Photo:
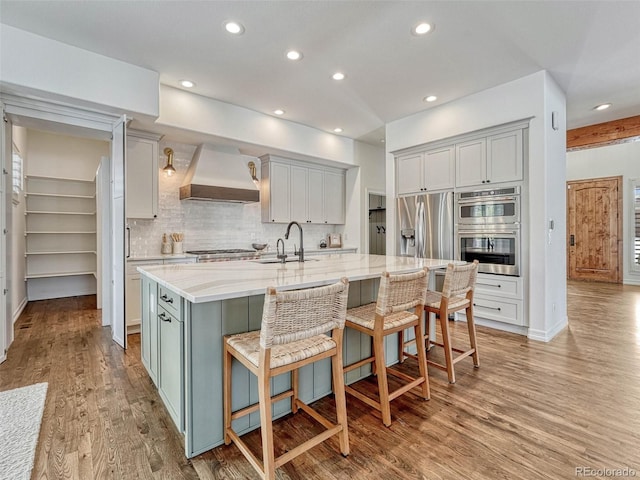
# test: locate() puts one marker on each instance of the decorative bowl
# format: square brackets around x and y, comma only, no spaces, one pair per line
[259,246]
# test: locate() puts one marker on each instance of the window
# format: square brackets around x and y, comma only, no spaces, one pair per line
[17,176]
[635,224]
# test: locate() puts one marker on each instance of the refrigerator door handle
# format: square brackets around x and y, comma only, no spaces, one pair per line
[420,229]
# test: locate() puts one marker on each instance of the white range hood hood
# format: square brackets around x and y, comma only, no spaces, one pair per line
[219,174]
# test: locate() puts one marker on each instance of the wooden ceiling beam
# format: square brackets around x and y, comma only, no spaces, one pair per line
[603,133]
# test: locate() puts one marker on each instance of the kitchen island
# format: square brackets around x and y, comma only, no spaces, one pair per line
[188,309]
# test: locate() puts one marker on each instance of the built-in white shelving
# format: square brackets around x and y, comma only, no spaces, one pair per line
[60,237]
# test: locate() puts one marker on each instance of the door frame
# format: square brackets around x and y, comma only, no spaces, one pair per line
[369,191]
[619,223]
[30,112]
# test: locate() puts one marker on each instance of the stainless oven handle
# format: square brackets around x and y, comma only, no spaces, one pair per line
[462,201]
[488,233]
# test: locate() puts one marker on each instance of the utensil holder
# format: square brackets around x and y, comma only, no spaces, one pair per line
[166,248]
[177,247]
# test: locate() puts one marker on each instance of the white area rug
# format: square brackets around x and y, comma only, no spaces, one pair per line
[20,417]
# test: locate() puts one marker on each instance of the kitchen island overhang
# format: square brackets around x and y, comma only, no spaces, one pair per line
[188,309]
[206,282]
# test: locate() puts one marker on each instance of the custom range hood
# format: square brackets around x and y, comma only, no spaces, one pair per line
[219,175]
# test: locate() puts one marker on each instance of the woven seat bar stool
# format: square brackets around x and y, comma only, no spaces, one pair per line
[390,314]
[292,335]
[457,294]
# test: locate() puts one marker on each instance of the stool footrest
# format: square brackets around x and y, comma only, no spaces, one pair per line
[256,406]
[315,415]
[363,398]
[293,453]
[358,364]
[404,389]
[463,354]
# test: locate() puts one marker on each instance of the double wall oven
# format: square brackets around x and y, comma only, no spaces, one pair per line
[488,229]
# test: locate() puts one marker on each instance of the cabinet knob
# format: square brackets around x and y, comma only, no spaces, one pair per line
[484,181]
[488,181]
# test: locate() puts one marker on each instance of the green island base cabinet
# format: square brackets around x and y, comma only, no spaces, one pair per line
[182,349]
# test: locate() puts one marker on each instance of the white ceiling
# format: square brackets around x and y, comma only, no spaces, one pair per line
[591,48]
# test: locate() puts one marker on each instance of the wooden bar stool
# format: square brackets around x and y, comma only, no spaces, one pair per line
[457,294]
[291,336]
[396,295]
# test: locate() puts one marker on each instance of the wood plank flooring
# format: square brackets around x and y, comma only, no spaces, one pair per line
[531,411]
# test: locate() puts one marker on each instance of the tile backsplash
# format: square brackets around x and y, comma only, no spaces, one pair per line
[210,225]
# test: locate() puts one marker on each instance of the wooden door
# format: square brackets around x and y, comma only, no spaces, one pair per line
[594,229]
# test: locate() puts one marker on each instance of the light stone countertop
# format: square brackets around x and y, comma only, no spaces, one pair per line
[160,256]
[207,282]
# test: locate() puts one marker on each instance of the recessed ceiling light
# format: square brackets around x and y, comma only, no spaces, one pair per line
[604,106]
[422,28]
[187,83]
[338,76]
[234,27]
[430,98]
[294,55]
[279,111]
[337,130]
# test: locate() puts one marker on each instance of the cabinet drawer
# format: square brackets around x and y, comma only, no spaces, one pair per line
[499,285]
[507,311]
[170,301]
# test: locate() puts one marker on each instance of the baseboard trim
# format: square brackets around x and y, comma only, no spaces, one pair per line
[19,310]
[631,281]
[548,335]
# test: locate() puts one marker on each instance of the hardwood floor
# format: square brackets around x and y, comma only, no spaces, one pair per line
[531,411]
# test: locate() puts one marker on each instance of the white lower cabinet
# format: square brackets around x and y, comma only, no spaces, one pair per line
[499,298]
[132,289]
[149,328]
[162,349]
[171,378]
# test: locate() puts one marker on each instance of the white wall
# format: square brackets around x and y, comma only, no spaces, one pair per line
[56,155]
[611,161]
[371,160]
[272,135]
[533,96]
[31,64]
[211,225]
[18,284]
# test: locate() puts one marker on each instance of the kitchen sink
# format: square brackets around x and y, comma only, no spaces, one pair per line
[287,260]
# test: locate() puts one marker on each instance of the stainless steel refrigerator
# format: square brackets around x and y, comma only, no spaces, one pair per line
[425,225]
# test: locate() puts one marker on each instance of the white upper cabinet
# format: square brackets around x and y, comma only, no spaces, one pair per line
[504,157]
[494,159]
[426,171]
[316,196]
[334,198]
[409,173]
[471,163]
[439,169]
[142,175]
[294,191]
[307,195]
[275,192]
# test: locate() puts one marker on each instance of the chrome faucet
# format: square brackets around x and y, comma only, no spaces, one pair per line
[300,252]
[282,257]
